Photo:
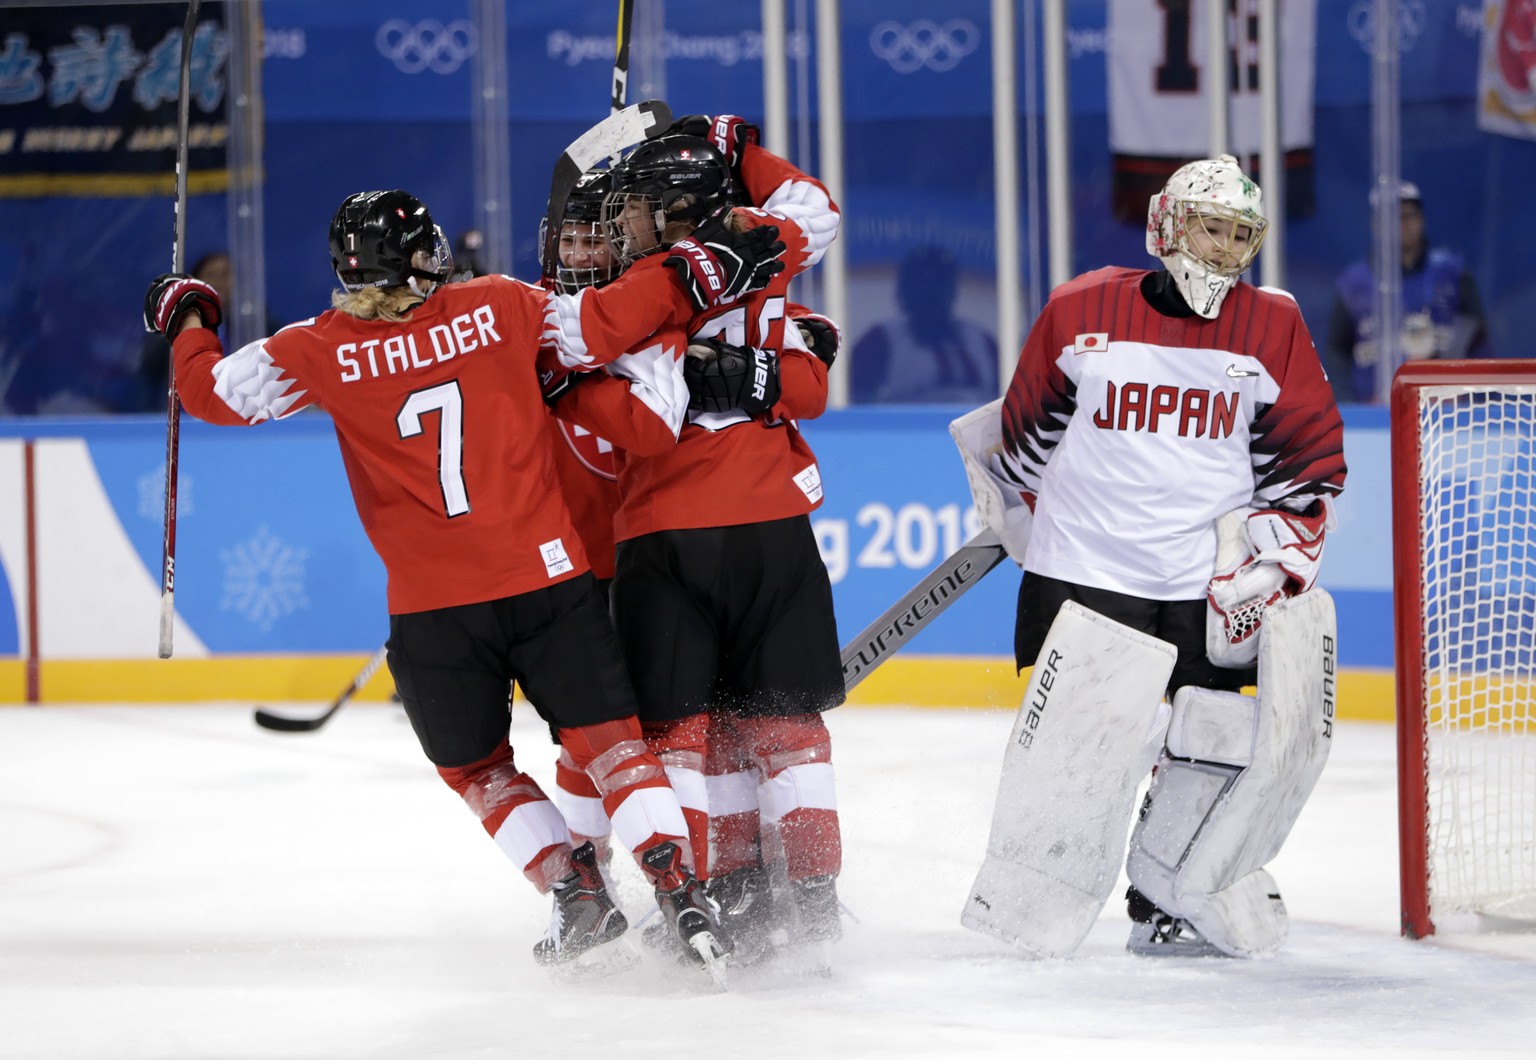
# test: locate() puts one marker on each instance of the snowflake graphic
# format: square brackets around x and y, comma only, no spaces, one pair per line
[152,495]
[263,579]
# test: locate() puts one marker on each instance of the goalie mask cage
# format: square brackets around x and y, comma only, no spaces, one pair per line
[1464,596]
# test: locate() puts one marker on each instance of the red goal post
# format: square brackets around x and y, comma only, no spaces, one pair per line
[1464,599]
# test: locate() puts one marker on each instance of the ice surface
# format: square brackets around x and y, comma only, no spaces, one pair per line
[175,882]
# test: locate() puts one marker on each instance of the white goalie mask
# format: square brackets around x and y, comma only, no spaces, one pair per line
[1206,226]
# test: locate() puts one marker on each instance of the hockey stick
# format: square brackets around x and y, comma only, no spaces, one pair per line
[621,56]
[607,138]
[908,616]
[280,723]
[173,406]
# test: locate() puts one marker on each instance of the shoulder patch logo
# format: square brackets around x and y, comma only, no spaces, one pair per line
[1239,373]
[1090,342]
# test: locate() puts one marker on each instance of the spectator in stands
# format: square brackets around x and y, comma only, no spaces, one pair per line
[928,354]
[468,251]
[1442,311]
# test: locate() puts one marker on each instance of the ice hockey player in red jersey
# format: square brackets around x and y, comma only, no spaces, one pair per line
[434,391]
[1154,415]
[584,459]
[722,602]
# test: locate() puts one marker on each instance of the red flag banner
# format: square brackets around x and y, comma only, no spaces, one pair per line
[1506,84]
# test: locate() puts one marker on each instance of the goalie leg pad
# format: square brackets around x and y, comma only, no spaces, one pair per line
[1233,780]
[1068,783]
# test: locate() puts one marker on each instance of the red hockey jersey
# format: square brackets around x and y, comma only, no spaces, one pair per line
[727,469]
[441,424]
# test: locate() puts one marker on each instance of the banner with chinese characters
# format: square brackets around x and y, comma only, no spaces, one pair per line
[1506,83]
[88,100]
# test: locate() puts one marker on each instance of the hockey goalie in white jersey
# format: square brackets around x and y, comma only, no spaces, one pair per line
[1163,465]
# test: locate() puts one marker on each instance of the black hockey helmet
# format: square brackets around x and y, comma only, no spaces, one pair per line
[581,226]
[670,167]
[585,203]
[376,234]
[663,181]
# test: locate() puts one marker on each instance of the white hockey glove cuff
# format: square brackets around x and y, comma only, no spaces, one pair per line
[1000,505]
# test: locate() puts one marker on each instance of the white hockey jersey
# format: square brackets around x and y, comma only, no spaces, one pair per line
[1132,432]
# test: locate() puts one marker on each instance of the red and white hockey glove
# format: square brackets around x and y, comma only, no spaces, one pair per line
[172,296]
[718,265]
[730,133]
[1292,541]
[1271,554]
[821,335]
[1236,603]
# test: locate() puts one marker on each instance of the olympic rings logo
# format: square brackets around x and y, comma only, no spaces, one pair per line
[1411,21]
[428,45]
[924,44]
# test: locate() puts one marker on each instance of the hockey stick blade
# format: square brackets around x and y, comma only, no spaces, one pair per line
[620,130]
[282,723]
[908,616]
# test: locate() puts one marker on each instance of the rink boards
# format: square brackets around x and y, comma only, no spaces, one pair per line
[279,595]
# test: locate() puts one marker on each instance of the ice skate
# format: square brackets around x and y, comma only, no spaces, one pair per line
[1155,933]
[693,918]
[820,920]
[584,921]
[745,899]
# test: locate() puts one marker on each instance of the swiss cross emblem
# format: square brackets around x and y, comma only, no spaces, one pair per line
[594,452]
[685,153]
[352,262]
[1091,342]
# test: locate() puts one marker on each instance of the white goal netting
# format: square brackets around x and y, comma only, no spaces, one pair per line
[1477,515]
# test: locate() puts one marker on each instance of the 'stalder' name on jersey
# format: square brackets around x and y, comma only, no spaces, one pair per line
[402,352]
[1201,413]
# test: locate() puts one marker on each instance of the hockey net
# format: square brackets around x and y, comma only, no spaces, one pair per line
[1464,540]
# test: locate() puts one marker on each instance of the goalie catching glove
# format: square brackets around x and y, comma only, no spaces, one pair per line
[172,296]
[718,265]
[1261,558]
[726,378]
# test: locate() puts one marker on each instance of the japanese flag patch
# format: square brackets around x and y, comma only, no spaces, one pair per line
[1091,342]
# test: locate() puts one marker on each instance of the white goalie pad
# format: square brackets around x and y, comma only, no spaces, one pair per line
[1234,777]
[1070,772]
[999,507]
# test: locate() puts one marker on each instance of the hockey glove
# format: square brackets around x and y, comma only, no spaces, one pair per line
[725,378]
[730,133]
[718,266]
[1262,557]
[1235,606]
[821,335]
[1293,541]
[172,296]
[555,385]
